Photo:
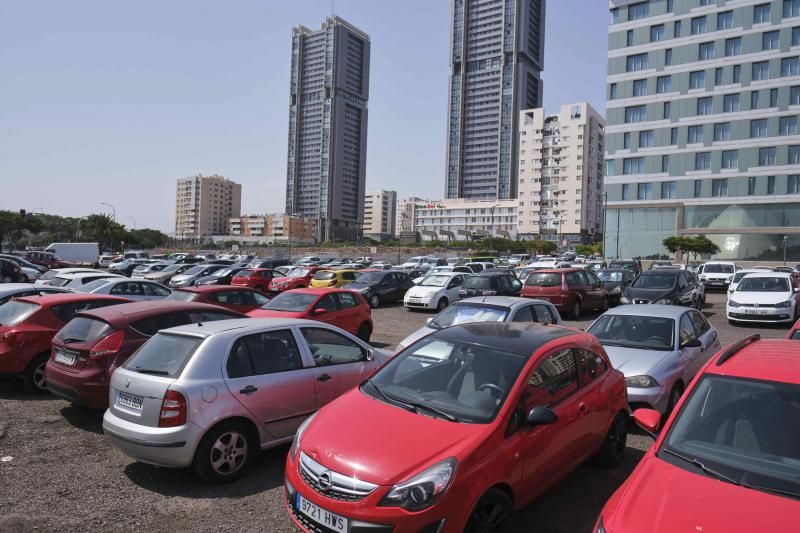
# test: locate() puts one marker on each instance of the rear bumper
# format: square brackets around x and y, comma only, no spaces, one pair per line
[169,447]
[79,388]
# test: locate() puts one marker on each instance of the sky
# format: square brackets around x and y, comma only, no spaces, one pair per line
[112,102]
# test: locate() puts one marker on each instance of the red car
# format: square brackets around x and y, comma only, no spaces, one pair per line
[341,308]
[94,343]
[794,333]
[457,431]
[297,278]
[259,279]
[28,326]
[571,290]
[728,458]
[240,299]
[47,259]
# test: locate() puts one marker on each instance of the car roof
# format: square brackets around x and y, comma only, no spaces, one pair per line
[213,288]
[135,310]
[243,325]
[491,273]
[516,337]
[318,290]
[81,275]
[505,301]
[70,297]
[661,271]
[766,359]
[651,310]
[770,274]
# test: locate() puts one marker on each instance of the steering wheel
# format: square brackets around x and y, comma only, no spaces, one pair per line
[492,387]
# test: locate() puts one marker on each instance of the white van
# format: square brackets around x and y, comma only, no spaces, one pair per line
[717,274]
[80,253]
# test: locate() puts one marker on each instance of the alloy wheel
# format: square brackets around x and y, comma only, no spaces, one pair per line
[228,453]
[487,518]
[38,377]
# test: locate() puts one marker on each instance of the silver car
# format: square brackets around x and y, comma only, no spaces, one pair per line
[213,395]
[487,309]
[19,290]
[132,289]
[659,348]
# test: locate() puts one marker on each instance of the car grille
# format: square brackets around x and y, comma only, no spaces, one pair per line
[308,524]
[339,487]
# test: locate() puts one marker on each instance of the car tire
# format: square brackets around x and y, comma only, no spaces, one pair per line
[364,332]
[577,310]
[33,377]
[442,305]
[613,449]
[225,452]
[492,513]
[374,301]
[674,397]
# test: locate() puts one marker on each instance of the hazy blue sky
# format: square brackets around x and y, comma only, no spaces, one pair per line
[113,101]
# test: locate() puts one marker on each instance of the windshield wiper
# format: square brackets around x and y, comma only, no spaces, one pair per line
[391,400]
[433,410]
[71,340]
[152,371]
[772,490]
[699,464]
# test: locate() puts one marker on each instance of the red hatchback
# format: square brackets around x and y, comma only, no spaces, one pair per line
[728,459]
[259,279]
[341,308]
[457,431]
[93,344]
[297,278]
[571,290]
[27,328]
[240,299]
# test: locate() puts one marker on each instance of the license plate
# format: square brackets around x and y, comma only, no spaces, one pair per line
[715,283]
[320,515]
[65,358]
[129,400]
[758,312]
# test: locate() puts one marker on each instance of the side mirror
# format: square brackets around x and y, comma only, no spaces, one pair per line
[370,355]
[648,420]
[428,320]
[319,311]
[694,342]
[541,416]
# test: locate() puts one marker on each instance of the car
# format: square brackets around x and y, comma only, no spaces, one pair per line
[379,287]
[727,459]
[571,290]
[491,283]
[188,260]
[738,277]
[132,289]
[27,326]
[298,278]
[333,278]
[190,276]
[627,264]
[88,349]
[794,333]
[668,286]
[77,280]
[479,266]
[420,262]
[10,272]
[615,281]
[434,291]
[766,297]
[164,276]
[104,261]
[259,279]
[338,307]
[659,348]
[223,276]
[717,274]
[486,309]
[19,290]
[659,263]
[458,431]
[135,254]
[47,259]
[309,260]
[523,272]
[248,364]
[24,263]
[127,266]
[46,279]
[143,269]
[281,265]
[595,264]
[240,299]
[516,259]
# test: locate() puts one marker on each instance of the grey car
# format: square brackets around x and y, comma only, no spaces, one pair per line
[190,276]
[18,290]
[132,289]
[658,347]
[212,395]
[163,276]
[487,309]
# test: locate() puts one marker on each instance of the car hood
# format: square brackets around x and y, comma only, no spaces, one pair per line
[356,286]
[761,298]
[635,361]
[423,292]
[406,444]
[717,275]
[652,295]
[417,335]
[662,498]
[182,277]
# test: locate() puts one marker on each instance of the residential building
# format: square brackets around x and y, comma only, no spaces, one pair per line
[380,214]
[327,156]
[204,205]
[269,229]
[561,174]
[496,60]
[464,220]
[702,134]
[405,215]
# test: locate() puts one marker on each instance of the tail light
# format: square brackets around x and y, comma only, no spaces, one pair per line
[108,345]
[173,410]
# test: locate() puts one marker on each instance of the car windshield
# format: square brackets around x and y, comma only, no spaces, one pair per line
[718,269]
[741,431]
[371,277]
[658,280]
[622,265]
[543,279]
[478,282]
[92,285]
[761,284]
[163,355]
[173,268]
[325,275]
[462,313]
[632,331]
[13,312]
[739,275]
[222,273]
[83,330]
[290,302]
[141,268]
[194,270]
[182,296]
[298,273]
[58,281]
[445,379]
[434,281]
[609,276]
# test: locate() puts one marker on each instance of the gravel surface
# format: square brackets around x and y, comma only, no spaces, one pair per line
[64,475]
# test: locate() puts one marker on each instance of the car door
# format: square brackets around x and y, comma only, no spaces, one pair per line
[708,339]
[546,314]
[264,367]
[128,289]
[582,288]
[596,287]
[684,290]
[526,313]
[592,370]
[455,283]
[348,315]
[340,362]
[690,356]
[329,307]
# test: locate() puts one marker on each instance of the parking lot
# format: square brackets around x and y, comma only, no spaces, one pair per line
[58,471]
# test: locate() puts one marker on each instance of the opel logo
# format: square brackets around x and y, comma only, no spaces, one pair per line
[324,481]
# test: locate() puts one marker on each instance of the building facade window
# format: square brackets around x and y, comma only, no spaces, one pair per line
[656,33]
[787,126]
[722,131]
[758,128]
[795,36]
[638,11]
[636,62]
[664,163]
[705,105]
[663,84]
[719,187]
[612,91]
[794,155]
[773,97]
[770,40]
[676,29]
[629,38]
[760,71]
[705,51]
[635,114]
[697,79]
[737,73]
[667,108]
[730,159]
[718,76]
[669,190]
[694,134]
[626,140]
[646,139]
[792,184]
[673,136]
[639,87]
[698,188]
[668,57]
[733,46]
[761,13]
[791,8]
[626,191]
[698,25]
[644,191]
[633,165]
[770,184]
[794,95]
[702,161]
[753,99]
[790,66]
[751,186]
[766,156]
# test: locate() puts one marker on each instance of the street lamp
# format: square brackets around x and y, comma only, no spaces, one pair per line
[113,211]
[132,220]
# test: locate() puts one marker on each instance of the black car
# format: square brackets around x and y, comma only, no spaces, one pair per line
[189,260]
[627,264]
[491,283]
[381,287]
[663,286]
[23,262]
[268,263]
[615,281]
[10,272]
[220,277]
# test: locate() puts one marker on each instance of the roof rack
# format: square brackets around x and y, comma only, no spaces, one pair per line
[734,348]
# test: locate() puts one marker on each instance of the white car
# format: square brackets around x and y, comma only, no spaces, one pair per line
[48,277]
[31,274]
[104,261]
[74,281]
[547,261]
[434,291]
[764,297]
[717,274]
[139,290]
[739,275]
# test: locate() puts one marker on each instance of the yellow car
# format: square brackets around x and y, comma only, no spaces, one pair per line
[334,278]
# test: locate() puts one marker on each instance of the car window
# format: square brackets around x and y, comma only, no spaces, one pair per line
[349,276]
[151,325]
[257,298]
[128,288]
[544,314]
[331,348]
[524,314]
[554,379]
[263,353]
[681,281]
[209,316]
[590,365]
[151,289]
[226,297]
[327,302]
[266,273]
[593,280]
[686,329]
[65,312]
[347,299]
[572,279]
[583,280]
[699,322]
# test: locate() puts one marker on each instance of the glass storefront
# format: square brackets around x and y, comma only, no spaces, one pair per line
[639,233]
[742,216]
[756,246]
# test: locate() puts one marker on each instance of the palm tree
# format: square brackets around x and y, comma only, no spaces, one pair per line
[100,227]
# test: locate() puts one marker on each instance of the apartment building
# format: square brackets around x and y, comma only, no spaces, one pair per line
[702,135]
[561,167]
[204,205]
[274,228]
[380,214]
[463,220]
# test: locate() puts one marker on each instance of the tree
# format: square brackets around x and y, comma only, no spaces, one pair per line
[147,238]
[589,249]
[701,245]
[544,247]
[677,244]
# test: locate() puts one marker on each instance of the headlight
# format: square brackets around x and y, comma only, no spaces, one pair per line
[363,290]
[641,382]
[784,305]
[624,299]
[422,490]
[600,527]
[299,435]
[665,301]
[733,303]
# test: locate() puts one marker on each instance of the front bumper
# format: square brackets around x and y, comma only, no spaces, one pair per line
[767,315]
[717,284]
[419,303]
[652,397]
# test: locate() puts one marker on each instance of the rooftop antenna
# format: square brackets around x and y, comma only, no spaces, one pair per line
[333,3]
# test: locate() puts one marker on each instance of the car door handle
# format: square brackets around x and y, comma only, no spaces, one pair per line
[248,390]
[324,377]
